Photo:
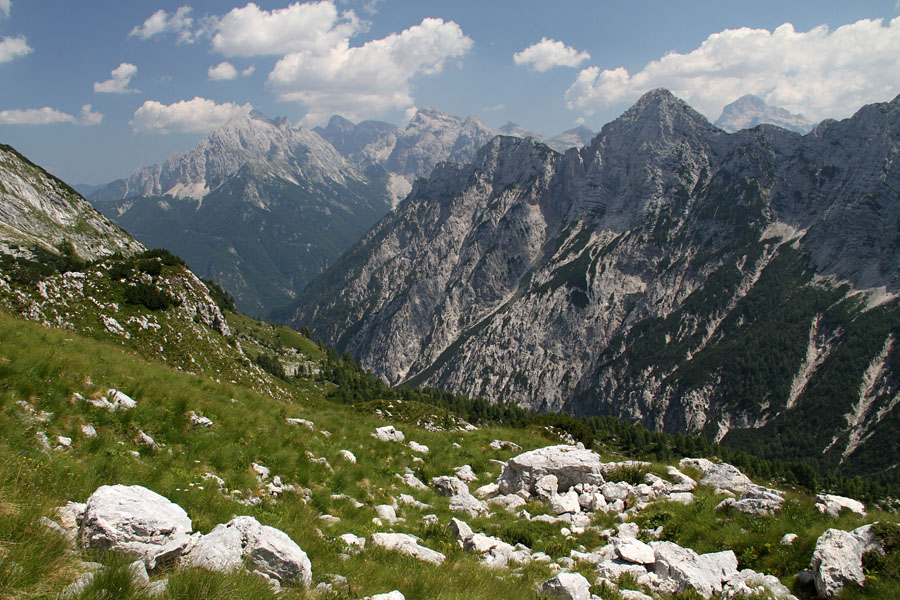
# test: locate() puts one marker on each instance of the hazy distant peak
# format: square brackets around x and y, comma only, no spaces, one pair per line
[749,111]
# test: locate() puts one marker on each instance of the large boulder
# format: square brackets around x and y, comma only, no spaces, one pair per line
[567,586]
[571,465]
[680,569]
[135,520]
[837,559]
[832,505]
[756,501]
[266,550]
[718,475]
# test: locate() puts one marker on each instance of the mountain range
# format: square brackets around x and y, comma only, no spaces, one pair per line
[262,207]
[740,285]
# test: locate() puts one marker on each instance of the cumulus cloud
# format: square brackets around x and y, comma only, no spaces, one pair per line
[12,48]
[548,53]
[819,73]
[5,6]
[316,27]
[121,77]
[161,22]
[370,79]
[49,116]
[225,71]
[196,115]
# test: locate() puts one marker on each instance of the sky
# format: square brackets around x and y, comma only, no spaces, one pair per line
[93,90]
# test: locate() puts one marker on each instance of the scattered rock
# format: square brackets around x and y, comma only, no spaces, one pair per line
[388,433]
[386,512]
[305,423]
[832,505]
[569,464]
[266,550]
[347,456]
[837,559]
[393,595]
[720,475]
[407,544]
[465,473]
[501,444]
[417,447]
[88,431]
[788,539]
[468,504]
[682,568]
[446,485]
[120,400]
[635,551]
[567,586]
[133,519]
[199,421]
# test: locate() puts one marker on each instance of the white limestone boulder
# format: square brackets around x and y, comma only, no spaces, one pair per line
[446,485]
[388,433]
[571,465]
[832,505]
[567,586]
[407,544]
[837,559]
[680,569]
[718,475]
[266,550]
[135,520]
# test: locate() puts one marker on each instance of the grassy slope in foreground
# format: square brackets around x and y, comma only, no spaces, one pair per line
[44,367]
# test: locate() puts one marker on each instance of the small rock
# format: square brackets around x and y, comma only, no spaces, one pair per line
[465,473]
[303,422]
[347,456]
[386,512]
[417,447]
[788,539]
[88,431]
[407,544]
[388,433]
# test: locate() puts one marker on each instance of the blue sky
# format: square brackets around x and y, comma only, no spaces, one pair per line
[93,90]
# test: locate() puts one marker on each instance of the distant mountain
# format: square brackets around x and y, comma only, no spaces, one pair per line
[259,206]
[749,111]
[742,285]
[37,209]
[572,138]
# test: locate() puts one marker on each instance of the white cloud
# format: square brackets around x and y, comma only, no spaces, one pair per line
[819,73]
[121,77]
[5,6]
[225,71]
[12,48]
[371,79]
[495,107]
[547,53]
[315,27]
[196,115]
[161,22]
[49,116]
[222,71]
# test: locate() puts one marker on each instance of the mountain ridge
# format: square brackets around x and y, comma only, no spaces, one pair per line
[556,273]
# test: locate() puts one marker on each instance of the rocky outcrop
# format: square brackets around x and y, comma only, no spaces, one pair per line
[37,209]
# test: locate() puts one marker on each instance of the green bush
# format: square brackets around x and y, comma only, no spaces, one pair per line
[150,296]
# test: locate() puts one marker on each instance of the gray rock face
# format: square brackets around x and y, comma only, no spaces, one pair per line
[39,209]
[135,520]
[568,464]
[749,111]
[267,550]
[614,279]
[837,559]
